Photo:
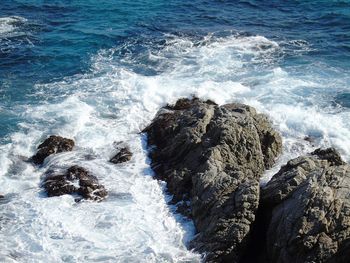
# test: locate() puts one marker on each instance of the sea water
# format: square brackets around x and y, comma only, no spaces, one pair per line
[98,71]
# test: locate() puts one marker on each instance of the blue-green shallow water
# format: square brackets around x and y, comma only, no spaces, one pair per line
[97,71]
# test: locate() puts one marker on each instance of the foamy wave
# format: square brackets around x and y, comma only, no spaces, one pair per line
[10,24]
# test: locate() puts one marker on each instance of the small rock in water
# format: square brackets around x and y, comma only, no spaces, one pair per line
[124,155]
[309,139]
[2,196]
[76,180]
[53,144]
[89,157]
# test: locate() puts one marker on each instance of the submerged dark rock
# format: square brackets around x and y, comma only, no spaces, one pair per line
[310,139]
[124,155]
[53,144]
[76,180]
[212,157]
[307,204]
[330,155]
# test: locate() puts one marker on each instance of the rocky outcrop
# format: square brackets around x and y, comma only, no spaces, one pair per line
[76,180]
[211,158]
[53,144]
[307,204]
[124,155]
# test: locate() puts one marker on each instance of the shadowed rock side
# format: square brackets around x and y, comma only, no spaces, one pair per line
[124,155]
[53,144]
[213,156]
[308,206]
[76,180]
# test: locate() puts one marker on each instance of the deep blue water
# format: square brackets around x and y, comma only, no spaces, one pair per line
[97,72]
[60,37]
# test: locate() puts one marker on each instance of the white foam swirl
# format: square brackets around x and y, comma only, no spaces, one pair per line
[10,24]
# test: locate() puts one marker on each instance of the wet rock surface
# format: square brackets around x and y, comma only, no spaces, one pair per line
[53,144]
[212,157]
[307,207]
[75,181]
[124,155]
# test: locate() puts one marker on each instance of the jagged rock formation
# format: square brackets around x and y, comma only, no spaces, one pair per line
[124,155]
[212,156]
[76,180]
[307,204]
[53,144]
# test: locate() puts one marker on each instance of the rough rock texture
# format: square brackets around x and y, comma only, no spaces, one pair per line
[308,202]
[212,156]
[76,180]
[124,155]
[53,144]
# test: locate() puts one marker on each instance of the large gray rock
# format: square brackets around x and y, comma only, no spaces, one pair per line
[308,205]
[53,144]
[212,157]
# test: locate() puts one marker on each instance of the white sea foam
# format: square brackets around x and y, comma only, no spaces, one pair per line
[10,24]
[113,104]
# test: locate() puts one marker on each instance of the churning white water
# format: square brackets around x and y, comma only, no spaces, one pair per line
[107,108]
[10,24]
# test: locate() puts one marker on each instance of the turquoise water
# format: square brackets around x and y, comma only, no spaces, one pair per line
[97,72]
